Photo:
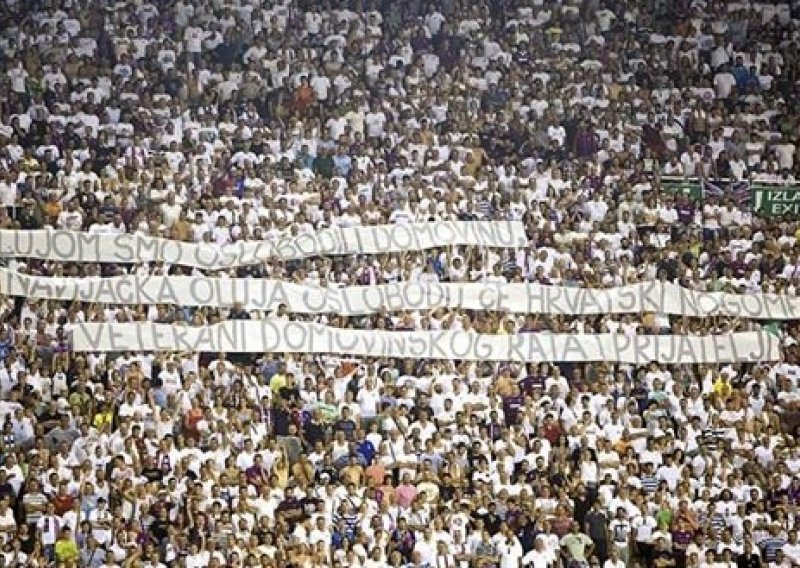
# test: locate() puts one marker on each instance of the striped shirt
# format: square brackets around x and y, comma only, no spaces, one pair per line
[717,523]
[770,547]
[650,483]
[710,438]
[509,265]
[350,521]
[485,207]
[33,500]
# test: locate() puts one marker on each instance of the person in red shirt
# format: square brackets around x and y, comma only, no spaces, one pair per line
[62,500]
[303,96]
[551,429]
[193,418]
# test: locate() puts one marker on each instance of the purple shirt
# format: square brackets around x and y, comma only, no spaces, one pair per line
[685,213]
[682,539]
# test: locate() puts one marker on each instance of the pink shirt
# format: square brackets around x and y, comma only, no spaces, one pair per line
[405,495]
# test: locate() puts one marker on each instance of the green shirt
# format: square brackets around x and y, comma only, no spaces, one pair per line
[576,544]
[329,411]
[323,166]
[664,517]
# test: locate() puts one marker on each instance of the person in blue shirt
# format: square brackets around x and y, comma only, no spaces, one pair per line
[403,539]
[339,535]
[305,160]
[5,344]
[342,162]
[753,83]
[740,73]
[435,260]
[364,448]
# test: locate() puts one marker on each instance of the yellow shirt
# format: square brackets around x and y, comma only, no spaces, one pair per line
[277,382]
[79,399]
[722,387]
[29,164]
[66,550]
[102,418]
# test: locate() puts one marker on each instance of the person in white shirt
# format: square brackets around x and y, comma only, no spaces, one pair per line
[426,549]
[71,218]
[101,520]
[197,558]
[539,557]
[614,561]
[49,527]
[8,524]
[510,550]
[620,529]
[792,548]
[8,192]
[170,378]
[445,558]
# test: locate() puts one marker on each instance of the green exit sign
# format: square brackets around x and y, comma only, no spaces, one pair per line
[777,202]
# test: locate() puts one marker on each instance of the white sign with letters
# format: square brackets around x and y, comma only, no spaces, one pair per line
[74,246]
[518,298]
[279,336]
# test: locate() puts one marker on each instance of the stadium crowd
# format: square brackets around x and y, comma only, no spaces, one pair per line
[215,121]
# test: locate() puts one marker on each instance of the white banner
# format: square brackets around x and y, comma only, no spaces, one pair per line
[72,246]
[267,295]
[278,336]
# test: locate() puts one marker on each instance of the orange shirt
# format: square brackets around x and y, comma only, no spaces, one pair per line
[52,209]
[622,446]
[303,97]
[376,473]
[193,417]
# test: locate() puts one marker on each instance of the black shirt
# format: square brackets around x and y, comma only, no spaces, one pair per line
[663,555]
[415,411]
[87,199]
[581,508]
[330,471]
[159,529]
[28,219]
[6,490]
[492,522]
[152,474]
[292,509]
[598,525]
[281,420]
[314,432]
[527,536]
[289,393]
[748,561]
